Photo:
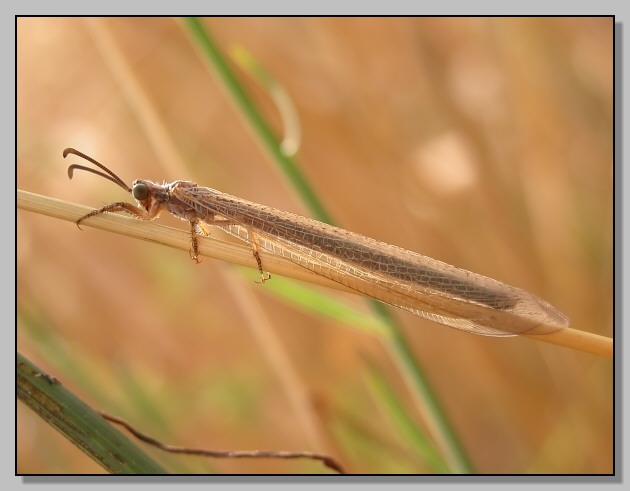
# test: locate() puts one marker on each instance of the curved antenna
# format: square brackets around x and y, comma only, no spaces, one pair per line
[108,174]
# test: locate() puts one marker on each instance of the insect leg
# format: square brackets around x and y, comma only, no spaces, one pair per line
[264,276]
[118,206]
[195,229]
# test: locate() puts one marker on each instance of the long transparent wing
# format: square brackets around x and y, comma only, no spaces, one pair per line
[402,278]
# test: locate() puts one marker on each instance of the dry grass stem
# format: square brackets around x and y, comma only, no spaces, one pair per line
[241,254]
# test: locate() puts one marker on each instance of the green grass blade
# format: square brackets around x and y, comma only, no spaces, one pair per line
[263,132]
[424,395]
[79,423]
[403,422]
[322,304]
[413,374]
[283,101]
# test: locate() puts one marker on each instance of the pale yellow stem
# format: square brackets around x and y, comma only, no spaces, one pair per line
[242,254]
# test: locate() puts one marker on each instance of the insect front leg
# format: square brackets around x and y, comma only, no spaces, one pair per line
[118,206]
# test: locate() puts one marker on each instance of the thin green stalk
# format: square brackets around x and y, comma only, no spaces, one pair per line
[435,416]
[437,421]
[402,420]
[262,131]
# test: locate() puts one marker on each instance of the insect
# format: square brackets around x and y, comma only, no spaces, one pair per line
[418,284]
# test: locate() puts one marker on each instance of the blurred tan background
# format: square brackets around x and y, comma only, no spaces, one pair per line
[485,143]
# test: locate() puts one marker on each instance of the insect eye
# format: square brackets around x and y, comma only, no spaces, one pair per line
[140,191]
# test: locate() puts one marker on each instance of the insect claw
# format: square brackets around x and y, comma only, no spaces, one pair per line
[263,277]
[195,256]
